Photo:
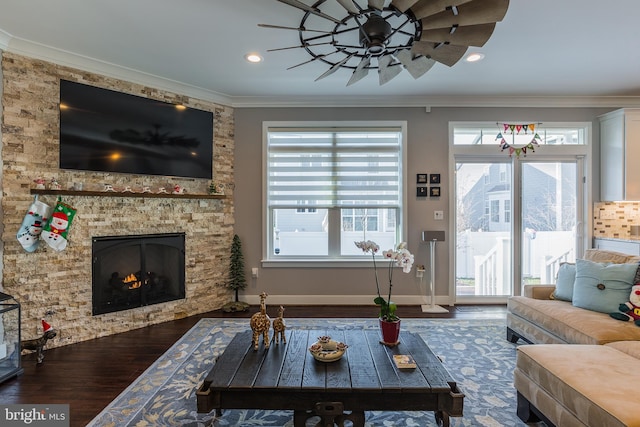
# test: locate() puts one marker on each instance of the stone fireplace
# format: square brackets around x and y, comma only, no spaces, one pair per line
[136,271]
[56,285]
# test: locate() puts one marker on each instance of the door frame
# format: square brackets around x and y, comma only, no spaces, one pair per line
[545,153]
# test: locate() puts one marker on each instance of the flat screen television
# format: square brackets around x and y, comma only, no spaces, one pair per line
[108,131]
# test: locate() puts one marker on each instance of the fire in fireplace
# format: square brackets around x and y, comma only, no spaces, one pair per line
[135,271]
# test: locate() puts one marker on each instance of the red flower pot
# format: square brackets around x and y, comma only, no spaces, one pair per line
[390,331]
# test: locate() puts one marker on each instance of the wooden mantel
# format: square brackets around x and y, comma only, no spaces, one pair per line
[127,194]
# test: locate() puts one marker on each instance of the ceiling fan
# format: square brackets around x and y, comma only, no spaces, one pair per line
[389,35]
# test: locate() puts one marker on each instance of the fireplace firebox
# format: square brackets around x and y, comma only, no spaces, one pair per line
[135,271]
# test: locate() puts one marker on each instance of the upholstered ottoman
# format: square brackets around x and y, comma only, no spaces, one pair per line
[571,385]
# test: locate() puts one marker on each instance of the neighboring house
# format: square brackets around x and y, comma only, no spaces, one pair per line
[301,219]
[548,203]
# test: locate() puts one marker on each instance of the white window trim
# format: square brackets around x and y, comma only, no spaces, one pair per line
[333,263]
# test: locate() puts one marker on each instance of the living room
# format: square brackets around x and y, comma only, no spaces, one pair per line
[56,285]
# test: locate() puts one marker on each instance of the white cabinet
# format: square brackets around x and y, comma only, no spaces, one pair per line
[620,155]
[623,246]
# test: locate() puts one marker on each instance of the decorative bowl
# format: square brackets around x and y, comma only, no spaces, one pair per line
[327,350]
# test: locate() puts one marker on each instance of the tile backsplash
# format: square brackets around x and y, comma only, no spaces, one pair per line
[613,219]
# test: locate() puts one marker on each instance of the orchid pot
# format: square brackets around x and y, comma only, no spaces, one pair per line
[390,331]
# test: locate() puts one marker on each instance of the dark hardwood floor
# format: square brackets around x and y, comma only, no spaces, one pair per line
[90,374]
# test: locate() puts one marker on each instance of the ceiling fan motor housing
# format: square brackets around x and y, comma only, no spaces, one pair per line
[374,34]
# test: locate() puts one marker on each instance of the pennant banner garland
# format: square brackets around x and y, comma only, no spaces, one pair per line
[513,130]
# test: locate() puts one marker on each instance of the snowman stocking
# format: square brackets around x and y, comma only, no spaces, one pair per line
[56,232]
[32,224]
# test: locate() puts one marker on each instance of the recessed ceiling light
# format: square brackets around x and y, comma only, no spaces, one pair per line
[474,57]
[253,57]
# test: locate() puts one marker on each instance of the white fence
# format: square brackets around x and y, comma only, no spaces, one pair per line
[310,243]
[486,258]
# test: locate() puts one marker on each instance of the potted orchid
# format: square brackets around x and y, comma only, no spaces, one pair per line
[400,257]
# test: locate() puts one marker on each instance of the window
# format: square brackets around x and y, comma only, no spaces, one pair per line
[348,182]
[507,211]
[483,134]
[360,219]
[495,211]
[304,210]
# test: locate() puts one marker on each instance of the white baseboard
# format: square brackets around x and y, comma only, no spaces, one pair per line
[338,299]
[477,300]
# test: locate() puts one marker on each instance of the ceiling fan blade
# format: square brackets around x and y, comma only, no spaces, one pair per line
[447,54]
[471,35]
[416,66]
[425,8]
[306,8]
[349,6]
[334,68]
[471,13]
[298,47]
[376,4]
[403,5]
[386,72]
[315,58]
[279,27]
[360,72]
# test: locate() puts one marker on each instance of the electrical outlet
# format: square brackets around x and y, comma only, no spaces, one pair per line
[439,215]
[254,272]
[608,214]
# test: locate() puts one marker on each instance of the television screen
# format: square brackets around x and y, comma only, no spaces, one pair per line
[108,131]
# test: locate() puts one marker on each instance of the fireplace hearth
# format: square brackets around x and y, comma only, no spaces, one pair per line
[136,271]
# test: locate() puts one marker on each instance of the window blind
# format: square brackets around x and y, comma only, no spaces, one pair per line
[334,168]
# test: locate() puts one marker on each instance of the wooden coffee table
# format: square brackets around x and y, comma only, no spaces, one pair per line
[287,377]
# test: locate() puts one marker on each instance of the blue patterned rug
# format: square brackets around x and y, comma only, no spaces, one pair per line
[475,352]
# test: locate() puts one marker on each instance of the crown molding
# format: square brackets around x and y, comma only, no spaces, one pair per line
[4,39]
[440,101]
[69,59]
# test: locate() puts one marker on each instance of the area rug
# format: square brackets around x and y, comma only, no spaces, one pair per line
[475,352]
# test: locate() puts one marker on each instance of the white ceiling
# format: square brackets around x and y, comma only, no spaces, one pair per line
[545,52]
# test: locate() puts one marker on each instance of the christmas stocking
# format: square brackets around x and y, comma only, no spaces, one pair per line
[32,224]
[56,232]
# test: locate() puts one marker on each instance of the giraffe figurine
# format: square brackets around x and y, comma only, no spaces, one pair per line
[279,326]
[260,324]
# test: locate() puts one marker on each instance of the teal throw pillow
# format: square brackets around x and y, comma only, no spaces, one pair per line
[602,286]
[564,282]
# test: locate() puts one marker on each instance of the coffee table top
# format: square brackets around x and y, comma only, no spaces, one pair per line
[367,366]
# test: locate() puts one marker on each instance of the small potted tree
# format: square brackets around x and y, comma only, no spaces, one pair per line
[236,279]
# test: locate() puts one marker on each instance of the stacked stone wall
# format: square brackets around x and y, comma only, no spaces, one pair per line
[57,285]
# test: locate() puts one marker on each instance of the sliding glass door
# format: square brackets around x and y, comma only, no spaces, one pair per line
[518,208]
[549,218]
[484,212]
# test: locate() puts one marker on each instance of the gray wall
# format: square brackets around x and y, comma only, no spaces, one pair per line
[427,153]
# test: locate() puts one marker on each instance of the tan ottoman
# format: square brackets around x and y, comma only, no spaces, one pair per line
[577,385]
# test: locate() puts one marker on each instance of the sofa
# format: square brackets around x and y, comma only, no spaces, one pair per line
[578,365]
[538,318]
